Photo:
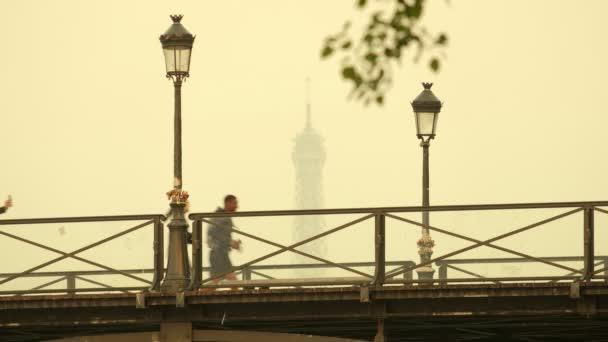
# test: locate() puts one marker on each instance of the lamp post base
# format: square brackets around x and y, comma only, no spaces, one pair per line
[425,250]
[178,265]
[425,272]
[174,285]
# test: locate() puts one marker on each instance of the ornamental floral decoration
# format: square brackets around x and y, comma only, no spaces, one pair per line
[178,196]
[425,245]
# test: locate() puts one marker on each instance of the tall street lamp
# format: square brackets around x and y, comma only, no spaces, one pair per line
[177,48]
[426,108]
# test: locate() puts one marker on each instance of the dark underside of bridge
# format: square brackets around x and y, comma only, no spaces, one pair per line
[531,328]
[502,312]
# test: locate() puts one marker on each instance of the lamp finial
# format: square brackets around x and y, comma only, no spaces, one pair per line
[176,17]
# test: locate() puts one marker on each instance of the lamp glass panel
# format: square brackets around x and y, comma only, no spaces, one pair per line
[177,59]
[426,122]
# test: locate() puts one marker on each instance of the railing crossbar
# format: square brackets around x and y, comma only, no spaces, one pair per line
[82,219]
[282,250]
[52,282]
[479,243]
[600,270]
[413,209]
[263,275]
[22,292]
[107,268]
[582,269]
[503,280]
[515,260]
[601,210]
[205,269]
[468,272]
[325,261]
[80,250]
[94,282]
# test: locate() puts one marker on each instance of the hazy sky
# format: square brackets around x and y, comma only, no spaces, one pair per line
[86,111]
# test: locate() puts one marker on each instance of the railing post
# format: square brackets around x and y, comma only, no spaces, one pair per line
[443,273]
[70,283]
[380,238]
[246,273]
[159,256]
[197,254]
[588,243]
[409,275]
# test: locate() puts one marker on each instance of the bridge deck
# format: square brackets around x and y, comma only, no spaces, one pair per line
[353,311]
[263,295]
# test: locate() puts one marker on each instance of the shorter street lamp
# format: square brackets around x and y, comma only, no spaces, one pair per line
[177,47]
[426,109]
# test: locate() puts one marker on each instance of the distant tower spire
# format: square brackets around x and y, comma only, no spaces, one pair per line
[309,157]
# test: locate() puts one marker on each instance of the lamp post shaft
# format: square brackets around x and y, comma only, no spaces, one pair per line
[425,243]
[425,187]
[178,264]
[177,152]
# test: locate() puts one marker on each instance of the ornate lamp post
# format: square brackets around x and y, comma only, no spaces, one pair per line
[426,108]
[177,48]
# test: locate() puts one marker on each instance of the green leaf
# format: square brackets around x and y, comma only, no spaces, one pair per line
[371,57]
[373,85]
[434,64]
[376,17]
[403,41]
[348,72]
[442,39]
[327,51]
[361,3]
[414,11]
[380,99]
[347,45]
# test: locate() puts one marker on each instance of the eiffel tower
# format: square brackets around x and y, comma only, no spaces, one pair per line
[308,158]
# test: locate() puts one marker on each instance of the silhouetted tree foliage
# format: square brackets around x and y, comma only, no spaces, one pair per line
[392,32]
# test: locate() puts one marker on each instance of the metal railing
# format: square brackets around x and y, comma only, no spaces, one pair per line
[156,221]
[70,278]
[382,273]
[445,265]
[381,276]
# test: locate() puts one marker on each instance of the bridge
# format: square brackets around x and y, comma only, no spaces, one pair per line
[564,299]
